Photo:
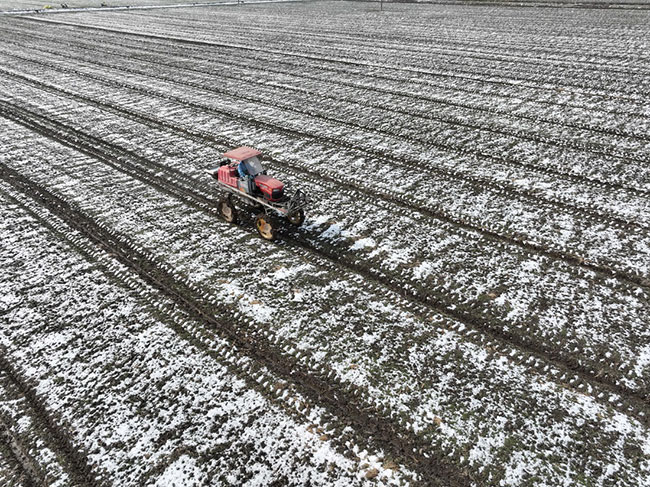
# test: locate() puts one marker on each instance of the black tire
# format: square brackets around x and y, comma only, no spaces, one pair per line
[227,210]
[296,217]
[266,227]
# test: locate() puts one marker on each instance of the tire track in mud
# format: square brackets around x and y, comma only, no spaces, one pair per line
[73,459]
[392,198]
[254,374]
[341,399]
[440,214]
[526,349]
[410,164]
[425,98]
[181,40]
[600,150]
[11,446]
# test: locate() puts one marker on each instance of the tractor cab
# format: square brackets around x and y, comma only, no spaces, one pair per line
[251,166]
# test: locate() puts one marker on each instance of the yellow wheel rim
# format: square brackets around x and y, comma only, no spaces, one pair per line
[265,229]
[226,211]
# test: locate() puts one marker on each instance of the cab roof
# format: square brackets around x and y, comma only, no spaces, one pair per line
[242,153]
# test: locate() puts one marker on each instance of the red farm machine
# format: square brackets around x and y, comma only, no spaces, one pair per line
[241,176]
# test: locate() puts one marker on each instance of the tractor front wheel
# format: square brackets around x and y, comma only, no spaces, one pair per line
[265,227]
[227,210]
[296,217]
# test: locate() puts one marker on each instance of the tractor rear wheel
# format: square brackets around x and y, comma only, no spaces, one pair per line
[296,217]
[227,210]
[265,227]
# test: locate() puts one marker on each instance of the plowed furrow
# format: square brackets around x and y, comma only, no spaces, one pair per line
[210,341]
[72,457]
[602,150]
[392,198]
[339,398]
[185,189]
[408,163]
[311,57]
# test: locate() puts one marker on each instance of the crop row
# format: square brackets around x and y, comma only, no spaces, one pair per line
[293,79]
[591,250]
[423,39]
[473,250]
[372,42]
[591,163]
[630,94]
[186,416]
[596,42]
[436,62]
[585,249]
[377,79]
[311,327]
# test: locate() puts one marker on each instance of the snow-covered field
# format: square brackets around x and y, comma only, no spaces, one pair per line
[467,303]
[59,6]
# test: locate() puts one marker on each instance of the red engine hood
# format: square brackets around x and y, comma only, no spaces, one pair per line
[269,182]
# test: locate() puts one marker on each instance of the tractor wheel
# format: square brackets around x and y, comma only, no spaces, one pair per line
[265,227]
[227,210]
[296,218]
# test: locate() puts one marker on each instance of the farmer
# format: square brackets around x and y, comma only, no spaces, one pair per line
[242,170]
[244,174]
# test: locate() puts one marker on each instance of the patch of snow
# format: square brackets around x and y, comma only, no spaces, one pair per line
[364,243]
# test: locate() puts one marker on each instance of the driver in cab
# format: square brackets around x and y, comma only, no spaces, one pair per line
[246,174]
